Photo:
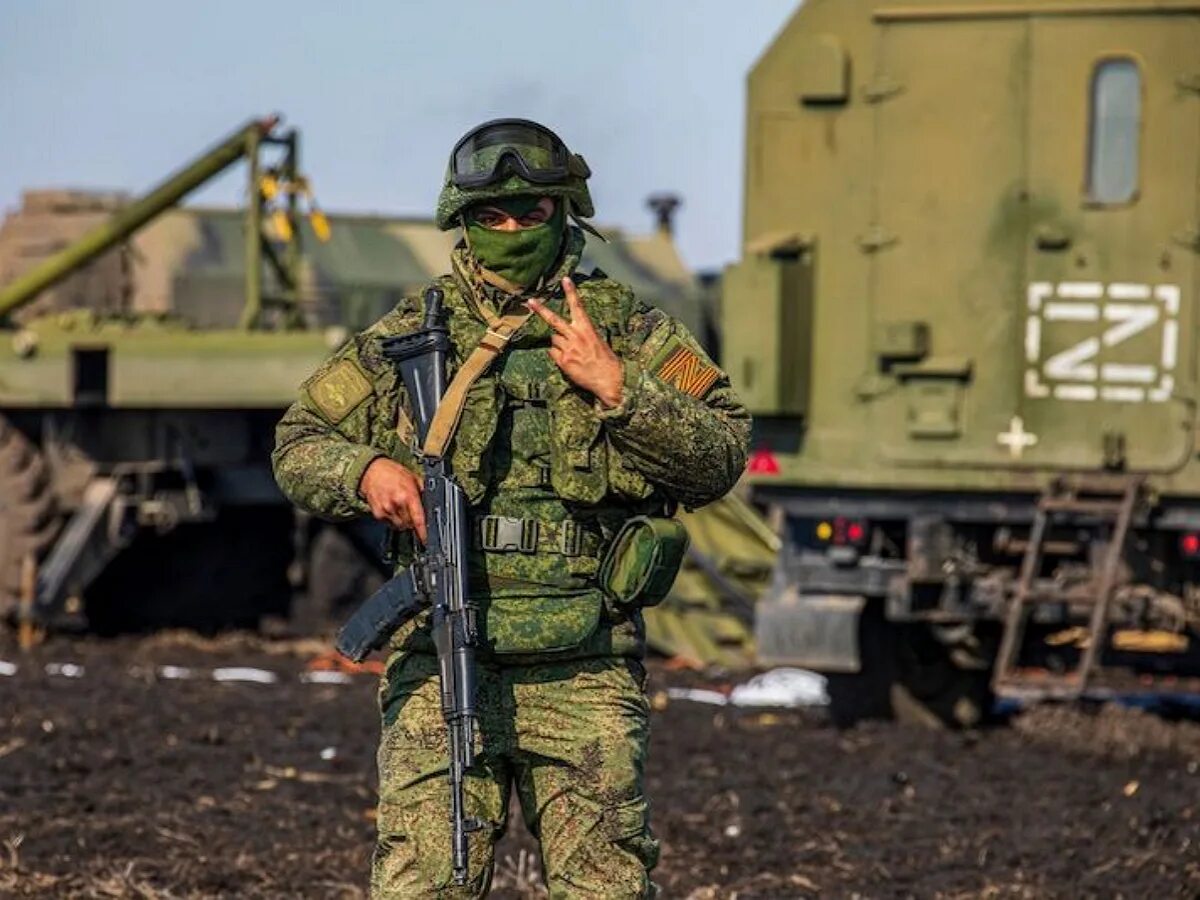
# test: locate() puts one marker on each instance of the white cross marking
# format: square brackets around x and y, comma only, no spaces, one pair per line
[1016,438]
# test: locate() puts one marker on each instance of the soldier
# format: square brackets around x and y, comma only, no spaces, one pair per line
[600,409]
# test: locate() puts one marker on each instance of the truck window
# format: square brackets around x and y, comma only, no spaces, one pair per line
[1116,112]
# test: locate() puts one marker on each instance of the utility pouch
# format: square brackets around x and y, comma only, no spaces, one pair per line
[642,562]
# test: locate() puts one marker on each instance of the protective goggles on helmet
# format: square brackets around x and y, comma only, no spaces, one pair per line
[504,147]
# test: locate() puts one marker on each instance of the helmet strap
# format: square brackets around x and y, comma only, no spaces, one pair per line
[582,222]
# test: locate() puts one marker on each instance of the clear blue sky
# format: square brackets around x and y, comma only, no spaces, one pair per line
[115,94]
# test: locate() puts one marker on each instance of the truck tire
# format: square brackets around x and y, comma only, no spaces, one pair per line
[867,693]
[28,513]
[908,675]
[931,688]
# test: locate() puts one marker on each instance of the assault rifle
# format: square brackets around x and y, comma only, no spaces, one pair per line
[437,579]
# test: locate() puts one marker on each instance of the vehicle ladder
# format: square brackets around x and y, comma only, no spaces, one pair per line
[1103,510]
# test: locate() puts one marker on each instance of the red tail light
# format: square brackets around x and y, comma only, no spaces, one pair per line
[843,532]
[763,462]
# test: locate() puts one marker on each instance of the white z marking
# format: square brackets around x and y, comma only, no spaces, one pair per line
[1132,318]
[1126,374]
[1170,343]
[1075,392]
[1033,338]
[1129,309]
[1039,291]
[1081,290]
[1072,364]
[1129,291]
[1072,312]
[1169,295]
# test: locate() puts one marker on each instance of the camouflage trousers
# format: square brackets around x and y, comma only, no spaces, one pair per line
[569,736]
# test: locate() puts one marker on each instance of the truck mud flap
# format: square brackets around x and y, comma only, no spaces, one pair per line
[813,631]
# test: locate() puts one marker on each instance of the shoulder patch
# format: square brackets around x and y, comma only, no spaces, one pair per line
[337,392]
[679,365]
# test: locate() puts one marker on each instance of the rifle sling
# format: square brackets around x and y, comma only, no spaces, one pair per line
[445,420]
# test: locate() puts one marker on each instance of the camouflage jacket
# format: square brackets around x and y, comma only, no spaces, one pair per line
[679,436]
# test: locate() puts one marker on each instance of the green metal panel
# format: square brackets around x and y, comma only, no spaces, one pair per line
[947,196]
[1110,311]
[767,339]
[946,244]
[148,367]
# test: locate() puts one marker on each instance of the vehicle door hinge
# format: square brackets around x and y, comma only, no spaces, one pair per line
[1188,237]
[883,87]
[876,238]
[1190,82]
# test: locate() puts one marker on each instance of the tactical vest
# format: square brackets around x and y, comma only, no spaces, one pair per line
[546,488]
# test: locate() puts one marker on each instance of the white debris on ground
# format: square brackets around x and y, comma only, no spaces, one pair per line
[244,673]
[324,676]
[64,670]
[784,687]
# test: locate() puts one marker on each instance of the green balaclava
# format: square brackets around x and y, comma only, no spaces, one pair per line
[523,256]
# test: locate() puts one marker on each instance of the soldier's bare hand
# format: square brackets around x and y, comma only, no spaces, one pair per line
[394,495]
[579,350]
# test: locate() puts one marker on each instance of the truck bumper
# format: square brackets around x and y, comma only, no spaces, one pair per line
[815,631]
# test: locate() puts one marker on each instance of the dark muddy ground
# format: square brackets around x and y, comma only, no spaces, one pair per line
[120,783]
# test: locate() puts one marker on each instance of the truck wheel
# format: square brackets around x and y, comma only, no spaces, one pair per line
[28,515]
[866,694]
[931,688]
[908,675]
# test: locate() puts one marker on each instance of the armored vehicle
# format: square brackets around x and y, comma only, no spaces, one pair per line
[147,350]
[973,229]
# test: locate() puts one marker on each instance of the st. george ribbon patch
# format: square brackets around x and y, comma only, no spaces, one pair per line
[339,391]
[683,367]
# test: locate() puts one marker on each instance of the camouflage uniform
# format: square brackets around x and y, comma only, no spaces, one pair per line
[563,716]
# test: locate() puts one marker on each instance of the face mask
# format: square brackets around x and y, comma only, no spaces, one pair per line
[521,256]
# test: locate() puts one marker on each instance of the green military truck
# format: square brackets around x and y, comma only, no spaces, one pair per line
[147,350]
[973,229]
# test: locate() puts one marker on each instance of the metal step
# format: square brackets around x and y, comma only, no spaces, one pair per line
[1082,596]
[1082,507]
[1032,686]
[1103,514]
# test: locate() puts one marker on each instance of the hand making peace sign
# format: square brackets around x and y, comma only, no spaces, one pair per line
[579,350]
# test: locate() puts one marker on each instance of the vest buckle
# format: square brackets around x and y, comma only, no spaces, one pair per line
[570,538]
[503,533]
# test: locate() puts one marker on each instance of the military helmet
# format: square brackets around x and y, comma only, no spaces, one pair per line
[509,157]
